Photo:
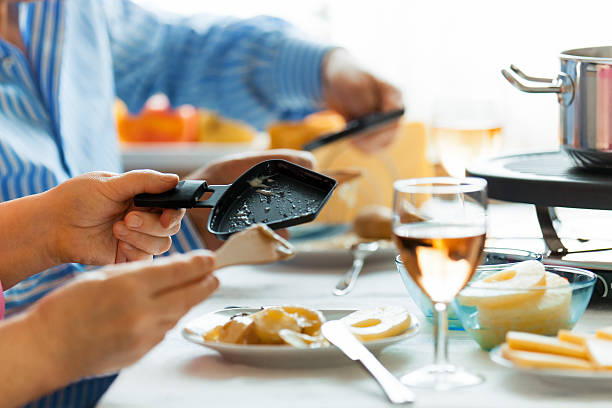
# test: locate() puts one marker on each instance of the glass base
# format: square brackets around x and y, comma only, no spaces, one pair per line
[441,377]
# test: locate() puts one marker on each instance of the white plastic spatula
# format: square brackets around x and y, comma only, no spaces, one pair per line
[257,244]
[343,175]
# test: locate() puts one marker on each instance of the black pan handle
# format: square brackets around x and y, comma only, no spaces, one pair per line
[186,194]
[355,127]
[210,202]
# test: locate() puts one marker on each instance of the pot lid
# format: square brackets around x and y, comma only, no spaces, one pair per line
[591,54]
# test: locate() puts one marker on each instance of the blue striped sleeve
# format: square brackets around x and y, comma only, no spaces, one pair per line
[187,239]
[83,393]
[257,70]
[295,72]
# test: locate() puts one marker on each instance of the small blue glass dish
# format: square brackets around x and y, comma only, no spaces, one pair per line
[488,313]
[498,257]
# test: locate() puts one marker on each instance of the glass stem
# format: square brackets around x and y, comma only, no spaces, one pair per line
[441,333]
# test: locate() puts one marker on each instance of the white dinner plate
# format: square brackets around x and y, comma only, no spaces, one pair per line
[282,356]
[183,157]
[337,257]
[335,250]
[593,377]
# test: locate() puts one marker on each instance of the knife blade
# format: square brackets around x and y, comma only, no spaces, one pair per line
[339,335]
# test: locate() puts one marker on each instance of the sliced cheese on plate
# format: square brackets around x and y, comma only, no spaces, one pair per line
[533,359]
[544,344]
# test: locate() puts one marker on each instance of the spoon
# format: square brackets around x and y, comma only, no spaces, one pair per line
[360,252]
[257,244]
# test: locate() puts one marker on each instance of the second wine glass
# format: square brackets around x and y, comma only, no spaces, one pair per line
[439,229]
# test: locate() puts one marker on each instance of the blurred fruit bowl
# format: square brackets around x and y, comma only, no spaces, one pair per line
[295,134]
[158,122]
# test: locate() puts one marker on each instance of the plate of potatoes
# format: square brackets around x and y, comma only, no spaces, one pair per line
[289,336]
[372,223]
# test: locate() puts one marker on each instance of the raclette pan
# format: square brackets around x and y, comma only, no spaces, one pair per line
[277,193]
[356,127]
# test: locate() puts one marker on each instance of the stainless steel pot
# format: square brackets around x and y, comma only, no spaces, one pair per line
[584,91]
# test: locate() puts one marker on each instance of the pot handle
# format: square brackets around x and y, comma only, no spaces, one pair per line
[563,85]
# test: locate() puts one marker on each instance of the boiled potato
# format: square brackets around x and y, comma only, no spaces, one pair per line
[309,320]
[374,222]
[269,322]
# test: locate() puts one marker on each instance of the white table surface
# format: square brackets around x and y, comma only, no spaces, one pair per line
[177,373]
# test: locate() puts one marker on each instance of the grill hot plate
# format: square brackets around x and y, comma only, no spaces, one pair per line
[548,180]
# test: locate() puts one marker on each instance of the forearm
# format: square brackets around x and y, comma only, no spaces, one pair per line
[25,371]
[25,232]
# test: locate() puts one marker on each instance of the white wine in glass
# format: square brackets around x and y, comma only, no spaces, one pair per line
[439,229]
[464,130]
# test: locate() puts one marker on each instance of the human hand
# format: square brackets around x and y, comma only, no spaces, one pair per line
[108,319]
[229,168]
[226,170]
[97,223]
[353,92]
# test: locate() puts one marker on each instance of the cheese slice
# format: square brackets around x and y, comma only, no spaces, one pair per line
[605,333]
[544,344]
[533,359]
[600,352]
[573,337]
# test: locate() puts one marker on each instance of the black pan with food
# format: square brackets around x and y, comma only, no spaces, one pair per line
[277,193]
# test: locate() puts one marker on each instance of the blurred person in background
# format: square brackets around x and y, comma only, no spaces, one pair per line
[63,63]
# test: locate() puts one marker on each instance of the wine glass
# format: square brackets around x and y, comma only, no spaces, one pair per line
[439,227]
[463,130]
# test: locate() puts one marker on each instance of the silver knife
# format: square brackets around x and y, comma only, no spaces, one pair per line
[336,332]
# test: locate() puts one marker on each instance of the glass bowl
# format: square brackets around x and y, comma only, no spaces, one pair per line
[500,257]
[487,314]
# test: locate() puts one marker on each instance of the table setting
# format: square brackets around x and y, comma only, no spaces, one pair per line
[182,373]
[439,295]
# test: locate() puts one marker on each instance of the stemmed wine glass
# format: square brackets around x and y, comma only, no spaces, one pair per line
[439,229]
[464,129]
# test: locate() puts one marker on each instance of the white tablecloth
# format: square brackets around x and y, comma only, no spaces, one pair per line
[180,374]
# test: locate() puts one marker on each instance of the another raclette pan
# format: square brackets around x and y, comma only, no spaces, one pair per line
[277,193]
[355,127]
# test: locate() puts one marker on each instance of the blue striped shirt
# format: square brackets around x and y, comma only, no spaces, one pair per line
[55,101]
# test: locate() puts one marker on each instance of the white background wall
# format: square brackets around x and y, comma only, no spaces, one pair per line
[439,48]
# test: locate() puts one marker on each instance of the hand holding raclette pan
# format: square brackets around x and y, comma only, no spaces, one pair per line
[277,193]
[355,127]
